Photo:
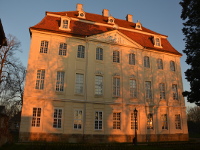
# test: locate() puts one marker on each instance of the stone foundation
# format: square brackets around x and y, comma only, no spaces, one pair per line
[76,138]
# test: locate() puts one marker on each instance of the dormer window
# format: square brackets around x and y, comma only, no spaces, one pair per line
[65,23]
[111,20]
[138,25]
[81,14]
[157,42]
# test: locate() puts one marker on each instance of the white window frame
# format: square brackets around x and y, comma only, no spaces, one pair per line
[36,117]
[117,120]
[116,86]
[98,85]
[78,119]
[99,53]
[60,81]
[98,123]
[81,51]
[162,91]
[62,49]
[79,85]
[148,92]
[131,59]
[146,61]
[65,23]
[150,121]
[177,121]
[44,46]
[157,42]
[175,91]
[57,118]
[116,56]
[40,79]
[133,88]
[164,121]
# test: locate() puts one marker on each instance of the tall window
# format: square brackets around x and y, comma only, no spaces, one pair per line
[78,117]
[81,51]
[150,121]
[98,85]
[40,79]
[116,57]
[116,86]
[44,46]
[133,88]
[133,122]
[57,118]
[36,118]
[178,121]
[146,62]
[162,90]
[175,91]
[172,65]
[65,24]
[60,81]
[116,120]
[164,121]
[63,49]
[98,120]
[79,83]
[148,89]
[160,63]
[99,53]
[132,59]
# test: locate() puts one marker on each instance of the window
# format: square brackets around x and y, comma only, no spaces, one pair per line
[132,59]
[116,86]
[116,56]
[133,122]
[178,121]
[36,118]
[98,120]
[78,115]
[150,121]
[146,62]
[116,120]
[160,63]
[148,89]
[44,46]
[65,24]
[162,90]
[157,42]
[63,49]
[133,88]
[164,121]
[172,65]
[57,121]
[175,91]
[99,53]
[60,81]
[40,79]
[79,83]
[98,85]
[81,51]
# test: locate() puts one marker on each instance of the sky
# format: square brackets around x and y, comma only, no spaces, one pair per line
[162,16]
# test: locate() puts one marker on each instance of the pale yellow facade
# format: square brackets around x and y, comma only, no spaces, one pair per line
[88,103]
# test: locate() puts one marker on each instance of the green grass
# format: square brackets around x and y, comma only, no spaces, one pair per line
[102,146]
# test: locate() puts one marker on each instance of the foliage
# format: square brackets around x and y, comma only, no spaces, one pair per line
[191,30]
[12,74]
[193,115]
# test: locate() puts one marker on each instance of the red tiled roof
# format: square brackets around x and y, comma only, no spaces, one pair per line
[78,28]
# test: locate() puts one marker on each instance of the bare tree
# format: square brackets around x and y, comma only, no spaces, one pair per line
[12,74]
[193,114]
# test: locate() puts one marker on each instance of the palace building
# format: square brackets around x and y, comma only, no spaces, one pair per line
[87,73]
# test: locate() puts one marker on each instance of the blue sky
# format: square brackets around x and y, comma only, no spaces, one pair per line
[162,16]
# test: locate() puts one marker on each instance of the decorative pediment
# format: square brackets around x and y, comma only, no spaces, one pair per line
[115,37]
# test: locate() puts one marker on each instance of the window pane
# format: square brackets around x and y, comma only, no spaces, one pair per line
[60,81]
[132,59]
[40,79]
[81,51]
[98,85]
[79,84]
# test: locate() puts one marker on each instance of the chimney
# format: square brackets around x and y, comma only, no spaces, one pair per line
[129,18]
[79,7]
[105,12]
